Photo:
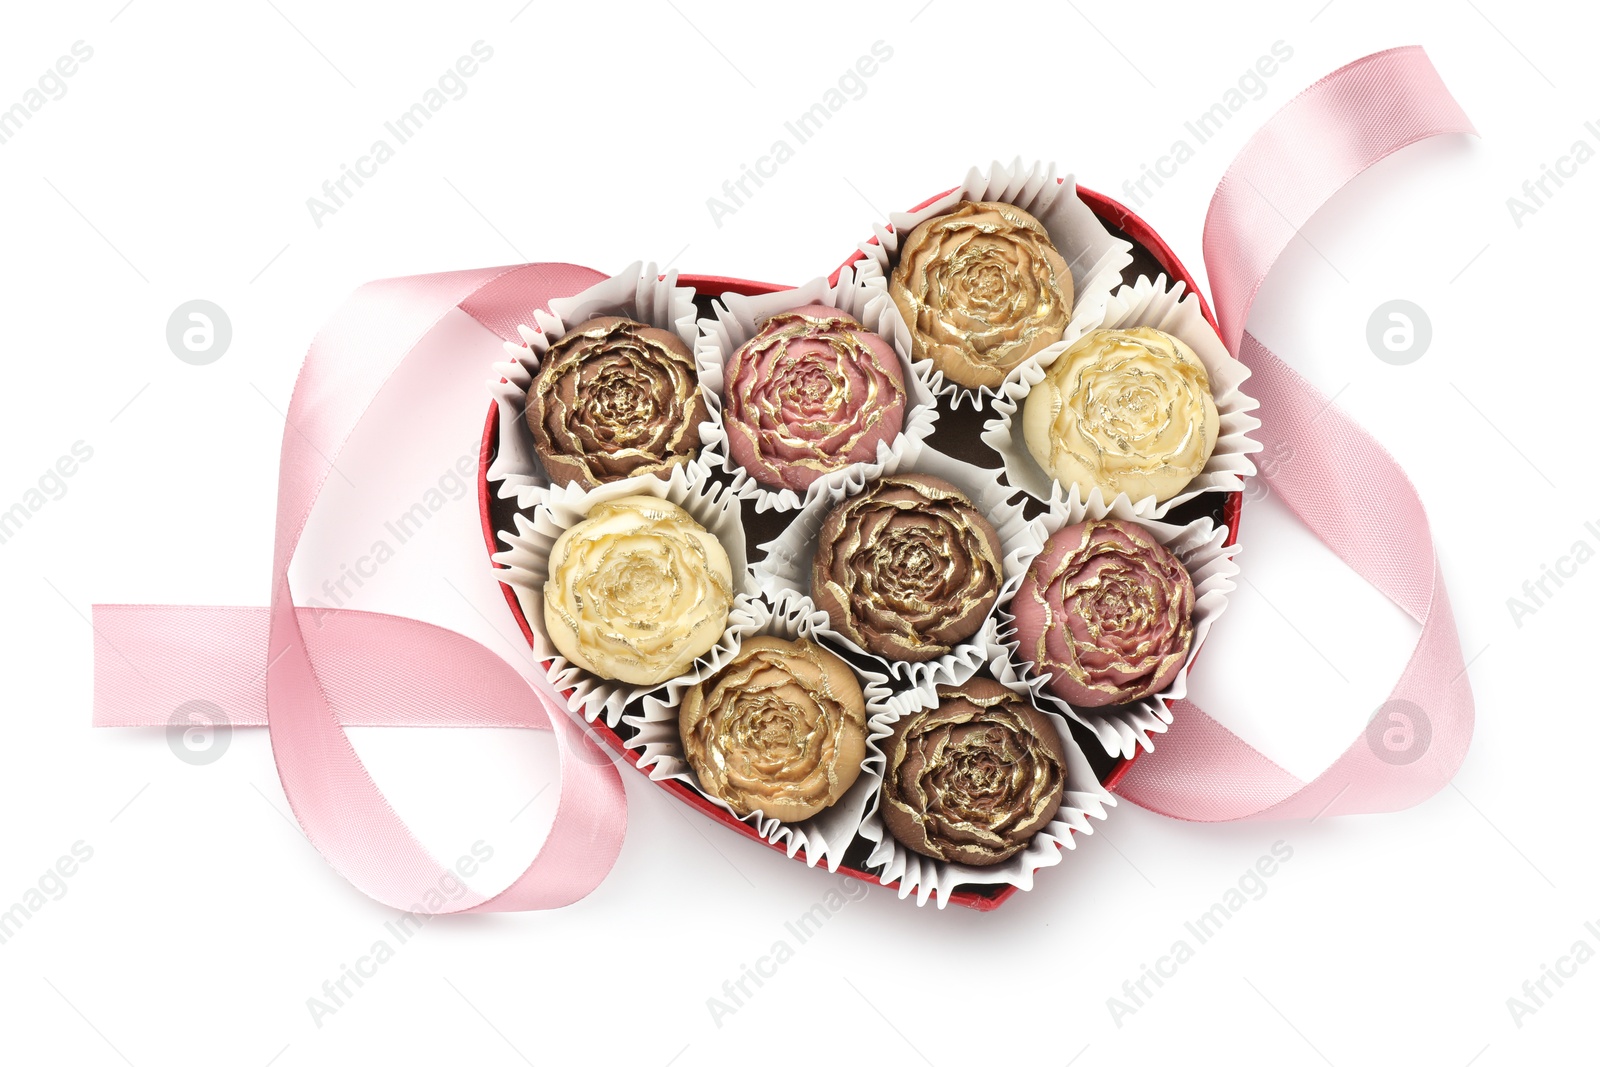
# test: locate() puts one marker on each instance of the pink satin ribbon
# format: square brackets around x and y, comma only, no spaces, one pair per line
[308,673]
[1340,483]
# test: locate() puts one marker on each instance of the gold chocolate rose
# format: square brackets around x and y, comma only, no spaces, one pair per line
[1129,411]
[780,730]
[636,591]
[973,779]
[614,398]
[981,289]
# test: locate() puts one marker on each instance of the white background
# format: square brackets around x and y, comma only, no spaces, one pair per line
[177,166]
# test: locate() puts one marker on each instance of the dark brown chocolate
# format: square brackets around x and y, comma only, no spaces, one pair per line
[907,568]
[615,398]
[973,779]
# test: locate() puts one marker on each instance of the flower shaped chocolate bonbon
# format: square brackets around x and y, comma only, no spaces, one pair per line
[1129,411]
[812,392]
[1105,610]
[981,289]
[907,568]
[637,591]
[974,778]
[614,398]
[781,729]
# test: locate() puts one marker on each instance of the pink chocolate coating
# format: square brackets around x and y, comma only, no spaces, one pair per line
[812,392]
[1106,611]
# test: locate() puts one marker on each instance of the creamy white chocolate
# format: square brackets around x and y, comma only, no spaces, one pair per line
[1129,411]
[637,591]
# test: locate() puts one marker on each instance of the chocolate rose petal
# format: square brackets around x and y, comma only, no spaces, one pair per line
[1106,611]
[811,393]
[981,288]
[1129,411]
[637,591]
[907,568]
[615,398]
[781,729]
[973,779]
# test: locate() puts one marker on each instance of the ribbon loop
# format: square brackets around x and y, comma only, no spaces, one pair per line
[1340,482]
[308,673]
[1310,149]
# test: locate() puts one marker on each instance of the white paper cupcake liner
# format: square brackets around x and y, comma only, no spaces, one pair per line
[1096,258]
[1083,798]
[557,509]
[1166,307]
[824,837]
[735,320]
[1122,728]
[637,293]
[785,572]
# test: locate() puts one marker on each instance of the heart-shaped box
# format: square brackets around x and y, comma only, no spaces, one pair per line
[958,432]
